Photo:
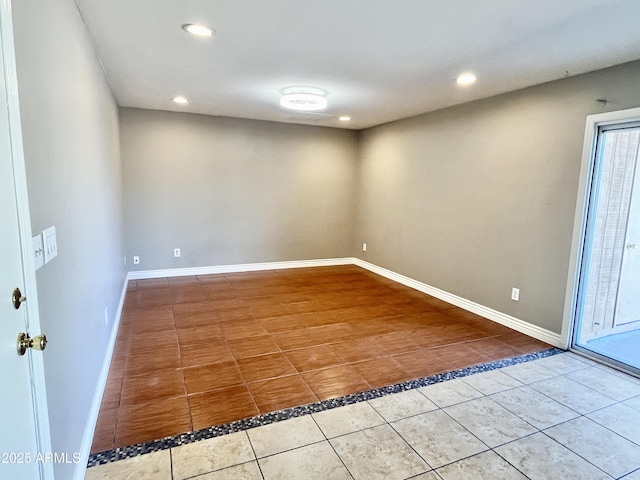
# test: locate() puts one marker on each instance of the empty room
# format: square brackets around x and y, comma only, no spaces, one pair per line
[320,240]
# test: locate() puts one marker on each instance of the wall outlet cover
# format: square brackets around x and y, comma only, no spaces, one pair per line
[515,294]
[136,260]
[176,252]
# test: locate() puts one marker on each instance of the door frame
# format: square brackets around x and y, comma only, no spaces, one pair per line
[587,169]
[36,362]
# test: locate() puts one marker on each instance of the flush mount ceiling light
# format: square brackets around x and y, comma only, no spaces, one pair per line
[303,99]
[180,100]
[198,29]
[466,79]
[344,118]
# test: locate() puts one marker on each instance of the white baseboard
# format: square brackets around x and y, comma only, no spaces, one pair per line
[521,326]
[243,267]
[92,421]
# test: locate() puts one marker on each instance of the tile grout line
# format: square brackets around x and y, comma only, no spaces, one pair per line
[171,462]
[333,449]
[184,382]
[255,455]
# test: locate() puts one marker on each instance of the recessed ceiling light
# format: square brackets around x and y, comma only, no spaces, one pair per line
[305,99]
[344,118]
[197,29]
[466,79]
[180,100]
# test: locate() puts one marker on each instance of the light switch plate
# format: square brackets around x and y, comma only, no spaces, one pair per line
[38,251]
[50,244]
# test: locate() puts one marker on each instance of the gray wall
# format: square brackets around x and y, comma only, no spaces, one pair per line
[229,191]
[480,198]
[70,129]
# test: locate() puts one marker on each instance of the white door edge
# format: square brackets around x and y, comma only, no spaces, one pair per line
[582,203]
[24,220]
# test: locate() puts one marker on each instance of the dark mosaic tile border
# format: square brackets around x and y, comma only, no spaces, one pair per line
[259,420]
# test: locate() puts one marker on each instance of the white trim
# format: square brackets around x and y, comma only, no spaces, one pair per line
[243,267]
[527,328]
[38,383]
[89,431]
[582,203]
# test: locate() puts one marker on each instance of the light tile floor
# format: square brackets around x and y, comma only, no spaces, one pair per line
[561,417]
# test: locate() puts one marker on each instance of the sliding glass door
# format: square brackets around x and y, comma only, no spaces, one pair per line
[607,323]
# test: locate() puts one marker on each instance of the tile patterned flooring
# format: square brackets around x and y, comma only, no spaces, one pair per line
[559,417]
[194,352]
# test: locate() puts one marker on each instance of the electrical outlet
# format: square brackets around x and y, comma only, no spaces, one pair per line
[176,252]
[136,260]
[364,247]
[515,294]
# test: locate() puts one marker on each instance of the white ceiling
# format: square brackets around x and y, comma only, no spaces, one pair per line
[379,60]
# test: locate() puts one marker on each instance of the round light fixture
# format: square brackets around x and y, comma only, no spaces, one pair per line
[466,79]
[307,102]
[198,29]
[180,100]
[344,118]
[304,99]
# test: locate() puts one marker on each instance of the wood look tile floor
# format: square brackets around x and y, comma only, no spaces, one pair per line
[193,352]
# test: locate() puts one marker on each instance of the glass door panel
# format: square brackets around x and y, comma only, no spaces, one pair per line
[608,321]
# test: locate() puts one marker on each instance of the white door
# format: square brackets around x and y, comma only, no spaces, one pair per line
[628,300]
[23,418]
